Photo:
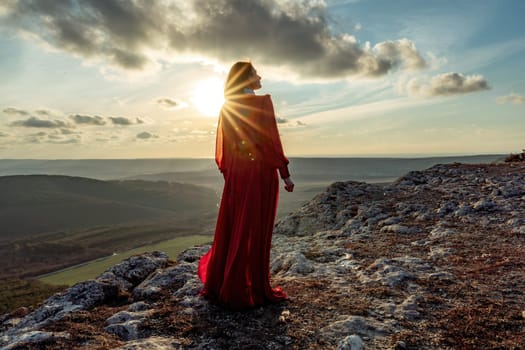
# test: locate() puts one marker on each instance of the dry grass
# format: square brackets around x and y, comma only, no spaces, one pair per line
[16,293]
[519,157]
[86,329]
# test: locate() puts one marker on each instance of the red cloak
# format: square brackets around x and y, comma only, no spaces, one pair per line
[236,271]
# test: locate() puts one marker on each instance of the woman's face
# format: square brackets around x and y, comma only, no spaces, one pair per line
[255,80]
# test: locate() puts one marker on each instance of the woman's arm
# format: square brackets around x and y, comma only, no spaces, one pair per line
[277,152]
[288,184]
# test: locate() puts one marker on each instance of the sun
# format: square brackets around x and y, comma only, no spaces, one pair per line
[208,96]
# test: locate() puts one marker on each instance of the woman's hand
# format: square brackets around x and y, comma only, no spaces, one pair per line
[288,184]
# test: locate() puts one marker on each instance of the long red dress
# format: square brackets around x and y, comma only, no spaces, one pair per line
[236,271]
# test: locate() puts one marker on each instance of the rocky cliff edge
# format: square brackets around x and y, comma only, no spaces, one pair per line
[431,261]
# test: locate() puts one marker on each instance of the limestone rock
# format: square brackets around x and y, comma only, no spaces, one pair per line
[292,264]
[35,339]
[359,325]
[110,286]
[352,342]
[152,343]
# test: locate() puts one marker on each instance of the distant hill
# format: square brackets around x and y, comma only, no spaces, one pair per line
[313,175]
[34,204]
[102,169]
[324,171]
[312,168]
[206,177]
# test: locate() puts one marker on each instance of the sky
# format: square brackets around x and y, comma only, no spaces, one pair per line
[91,79]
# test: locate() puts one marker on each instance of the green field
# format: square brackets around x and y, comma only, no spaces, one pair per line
[92,269]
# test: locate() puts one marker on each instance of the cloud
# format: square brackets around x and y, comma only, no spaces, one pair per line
[293,124]
[3,134]
[200,132]
[54,137]
[36,137]
[86,119]
[16,111]
[34,122]
[67,132]
[146,135]
[167,103]
[131,35]
[512,98]
[281,120]
[32,139]
[121,121]
[63,142]
[44,112]
[97,120]
[447,84]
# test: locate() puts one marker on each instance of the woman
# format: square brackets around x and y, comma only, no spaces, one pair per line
[236,271]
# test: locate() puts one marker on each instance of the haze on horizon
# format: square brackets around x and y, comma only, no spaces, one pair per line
[141,79]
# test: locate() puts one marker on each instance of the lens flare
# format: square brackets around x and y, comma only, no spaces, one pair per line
[208,96]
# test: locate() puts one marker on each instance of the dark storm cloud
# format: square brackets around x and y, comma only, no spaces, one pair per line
[112,29]
[34,122]
[296,35]
[86,119]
